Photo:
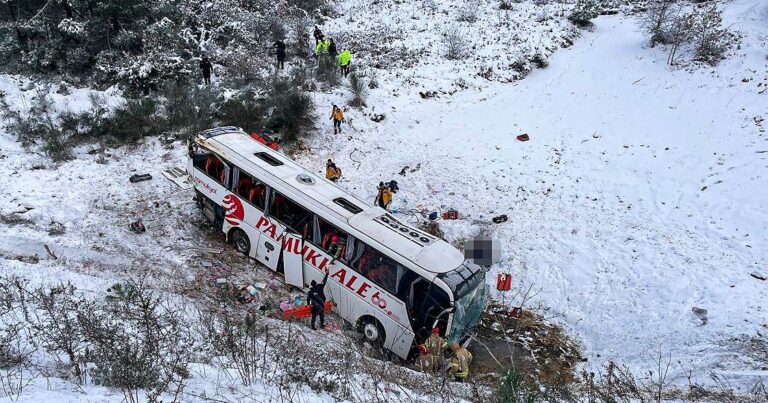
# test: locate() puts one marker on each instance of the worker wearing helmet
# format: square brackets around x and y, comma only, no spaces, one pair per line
[425,362]
[436,344]
[460,362]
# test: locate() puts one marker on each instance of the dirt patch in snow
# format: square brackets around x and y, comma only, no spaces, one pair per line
[528,343]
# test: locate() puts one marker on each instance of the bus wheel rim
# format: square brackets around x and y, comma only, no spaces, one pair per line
[371,332]
[241,243]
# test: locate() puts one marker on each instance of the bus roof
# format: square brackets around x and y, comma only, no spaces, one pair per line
[428,252]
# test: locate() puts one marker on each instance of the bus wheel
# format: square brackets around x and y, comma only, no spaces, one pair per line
[241,241]
[372,330]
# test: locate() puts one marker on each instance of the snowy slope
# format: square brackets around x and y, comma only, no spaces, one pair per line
[609,214]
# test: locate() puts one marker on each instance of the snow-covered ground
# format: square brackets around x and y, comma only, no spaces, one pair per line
[640,195]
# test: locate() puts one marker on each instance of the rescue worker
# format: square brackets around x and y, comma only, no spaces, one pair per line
[332,172]
[322,47]
[383,196]
[206,67]
[344,58]
[338,248]
[425,362]
[332,52]
[460,362]
[318,34]
[436,344]
[337,116]
[316,300]
[280,53]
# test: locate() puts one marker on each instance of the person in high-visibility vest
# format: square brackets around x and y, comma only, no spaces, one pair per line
[322,47]
[344,59]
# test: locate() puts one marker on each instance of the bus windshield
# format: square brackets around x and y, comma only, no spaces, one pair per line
[468,285]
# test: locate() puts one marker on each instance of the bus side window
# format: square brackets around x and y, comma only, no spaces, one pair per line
[213,166]
[333,240]
[380,269]
[289,213]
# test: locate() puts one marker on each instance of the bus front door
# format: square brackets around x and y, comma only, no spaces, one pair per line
[293,266]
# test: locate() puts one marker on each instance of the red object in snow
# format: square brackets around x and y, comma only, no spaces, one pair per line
[523,137]
[304,311]
[451,215]
[265,140]
[516,312]
[504,282]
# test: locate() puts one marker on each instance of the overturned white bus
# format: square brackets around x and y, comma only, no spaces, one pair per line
[391,281]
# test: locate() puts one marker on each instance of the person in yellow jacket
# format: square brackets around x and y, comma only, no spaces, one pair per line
[436,344]
[383,196]
[460,362]
[337,116]
[344,59]
[332,172]
[322,47]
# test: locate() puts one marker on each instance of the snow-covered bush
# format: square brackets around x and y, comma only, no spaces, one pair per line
[657,20]
[137,343]
[468,13]
[359,89]
[455,45]
[291,110]
[38,126]
[583,13]
[514,388]
[242,109]
[327,70]
[710,38]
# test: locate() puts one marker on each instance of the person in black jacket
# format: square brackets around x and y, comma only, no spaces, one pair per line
[332,52]
[205,66]
[316,299]
[280,53]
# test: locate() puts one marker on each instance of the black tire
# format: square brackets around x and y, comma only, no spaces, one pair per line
[372,331]
[241,241]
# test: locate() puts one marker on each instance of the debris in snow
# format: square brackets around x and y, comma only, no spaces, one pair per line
[701,314]
[451,214]
[523,137]
[377,117]
[56,228]
[50,253]
[138,226]
[139,178]
[758,276]
[402,171]
[428,94]
[500,219]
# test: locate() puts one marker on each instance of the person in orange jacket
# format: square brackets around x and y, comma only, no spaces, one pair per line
[332,172]
[337,116]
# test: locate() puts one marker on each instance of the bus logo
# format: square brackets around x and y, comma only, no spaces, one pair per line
[234,209]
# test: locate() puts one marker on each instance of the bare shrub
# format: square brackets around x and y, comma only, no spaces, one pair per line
[514,388]
[468,13]
[236,341]
[657,20]
[612,384]
[455,46]
[38,126]
[327,70]
[138,343]
[680,32]
[359,90]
